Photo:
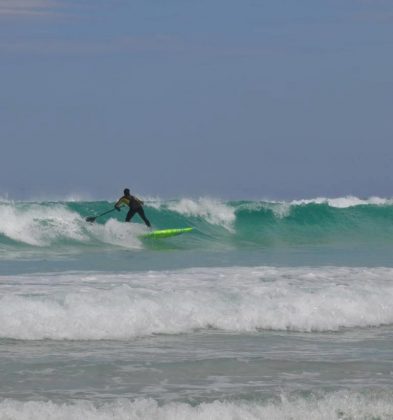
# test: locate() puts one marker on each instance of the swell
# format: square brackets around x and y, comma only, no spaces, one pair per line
[315,223]
[236,224]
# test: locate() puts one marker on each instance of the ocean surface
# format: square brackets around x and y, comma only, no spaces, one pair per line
[267,310]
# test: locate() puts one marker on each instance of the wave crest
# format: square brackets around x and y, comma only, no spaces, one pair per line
[233,299]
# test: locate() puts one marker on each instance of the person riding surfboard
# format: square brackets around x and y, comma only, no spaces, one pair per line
[134,204]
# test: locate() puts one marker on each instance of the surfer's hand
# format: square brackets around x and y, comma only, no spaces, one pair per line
[117,208]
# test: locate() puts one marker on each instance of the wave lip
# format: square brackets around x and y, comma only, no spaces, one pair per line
[241,300]
[38,225]
[213,211]
[345,202]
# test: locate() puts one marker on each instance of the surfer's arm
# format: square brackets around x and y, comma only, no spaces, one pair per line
[120,202]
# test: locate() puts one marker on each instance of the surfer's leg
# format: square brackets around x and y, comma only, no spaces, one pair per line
[141,213]
[130,214]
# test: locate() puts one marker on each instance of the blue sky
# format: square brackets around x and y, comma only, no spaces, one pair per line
[231,99]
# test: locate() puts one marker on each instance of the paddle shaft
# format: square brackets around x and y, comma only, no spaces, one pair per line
[93,218]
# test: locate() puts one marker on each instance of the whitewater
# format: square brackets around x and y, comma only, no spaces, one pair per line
[267,310]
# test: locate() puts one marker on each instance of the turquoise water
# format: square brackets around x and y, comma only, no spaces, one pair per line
[340,231]
[218,225]
[266,310]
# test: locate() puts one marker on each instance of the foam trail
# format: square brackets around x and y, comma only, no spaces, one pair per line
[243,300]
[339,405]
[118,233]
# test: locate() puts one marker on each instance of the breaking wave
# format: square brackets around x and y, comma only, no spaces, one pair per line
[338,405]
[80,306]
[236,224]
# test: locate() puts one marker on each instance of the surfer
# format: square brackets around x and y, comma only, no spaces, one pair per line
[135,206]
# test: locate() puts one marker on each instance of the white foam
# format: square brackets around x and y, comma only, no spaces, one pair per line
[39,225]
[5,199]
[282,209]
[345,202]
[118,233]
[47,224]
[339,405]
[154,202]
[279,209]
[242,300]
[213,211]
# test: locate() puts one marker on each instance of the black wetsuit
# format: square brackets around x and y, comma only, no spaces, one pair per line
[135,206]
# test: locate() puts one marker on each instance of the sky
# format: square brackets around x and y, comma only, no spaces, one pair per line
[254,99]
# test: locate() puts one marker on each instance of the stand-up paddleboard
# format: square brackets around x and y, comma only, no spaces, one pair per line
[165,233]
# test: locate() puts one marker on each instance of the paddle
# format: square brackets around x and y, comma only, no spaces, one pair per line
[92,219]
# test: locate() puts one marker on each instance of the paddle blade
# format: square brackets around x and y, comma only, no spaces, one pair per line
[91,219]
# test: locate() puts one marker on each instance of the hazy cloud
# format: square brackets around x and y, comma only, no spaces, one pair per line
[374,17]
[28,7]
[154,44]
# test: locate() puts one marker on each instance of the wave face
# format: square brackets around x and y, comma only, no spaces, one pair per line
[81,306]
[238,224]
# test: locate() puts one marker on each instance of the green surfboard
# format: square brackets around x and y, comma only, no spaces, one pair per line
[165,233]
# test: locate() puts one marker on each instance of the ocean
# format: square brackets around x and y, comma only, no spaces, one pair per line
[267,310]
